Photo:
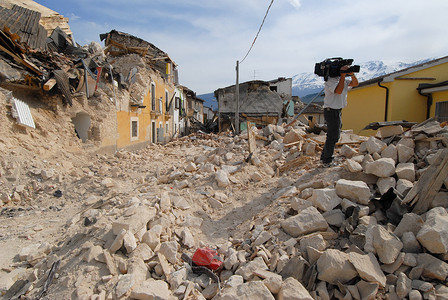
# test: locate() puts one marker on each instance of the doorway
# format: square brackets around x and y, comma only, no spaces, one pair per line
[82,123]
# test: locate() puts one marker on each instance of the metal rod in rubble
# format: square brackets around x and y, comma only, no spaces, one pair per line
[301,112]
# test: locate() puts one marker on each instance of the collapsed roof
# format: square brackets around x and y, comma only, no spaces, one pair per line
[38,53]
[256,98]
[120,43]
[30,14]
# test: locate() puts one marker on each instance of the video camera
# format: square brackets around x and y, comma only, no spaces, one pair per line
[331,67]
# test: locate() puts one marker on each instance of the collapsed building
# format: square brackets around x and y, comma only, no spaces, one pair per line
[133,83]
[194,117]
[260,103]
[373,227]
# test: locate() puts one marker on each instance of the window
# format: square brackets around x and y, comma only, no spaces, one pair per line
[442,111]
[153,97]
[177,103]
[134,128]
[160,133]
[160,105]
[167,99]
[153,132]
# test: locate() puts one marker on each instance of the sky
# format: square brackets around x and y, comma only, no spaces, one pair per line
[206,38]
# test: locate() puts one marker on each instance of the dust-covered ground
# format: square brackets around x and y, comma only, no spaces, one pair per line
[77,224]
[49,176]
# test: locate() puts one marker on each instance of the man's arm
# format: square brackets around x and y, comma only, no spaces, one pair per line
[340,87]
[354,81]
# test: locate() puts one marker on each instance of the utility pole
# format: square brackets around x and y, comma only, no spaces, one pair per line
[237,88]
[237,100]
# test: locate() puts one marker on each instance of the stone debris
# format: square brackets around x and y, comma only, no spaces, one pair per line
[306,221]
[344,233]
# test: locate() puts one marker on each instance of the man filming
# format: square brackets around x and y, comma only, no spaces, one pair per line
[335,100]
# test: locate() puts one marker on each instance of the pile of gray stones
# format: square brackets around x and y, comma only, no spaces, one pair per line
[349,238]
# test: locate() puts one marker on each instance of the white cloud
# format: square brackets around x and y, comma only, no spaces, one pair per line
[206,38]
[72,17]
[295,3]
[293,40]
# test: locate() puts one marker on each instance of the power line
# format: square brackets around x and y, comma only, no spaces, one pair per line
[267,11]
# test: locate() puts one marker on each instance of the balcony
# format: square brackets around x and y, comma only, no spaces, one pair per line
[155,114]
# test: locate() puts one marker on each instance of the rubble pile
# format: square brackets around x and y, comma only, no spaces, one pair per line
[43,64]
[80,225]
[284,227]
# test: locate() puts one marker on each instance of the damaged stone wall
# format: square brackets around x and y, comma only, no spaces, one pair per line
[141,83]
[255,98]
[132,44]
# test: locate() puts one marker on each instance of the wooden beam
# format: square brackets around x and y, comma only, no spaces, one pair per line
[49,84]
[251,138]
[429,184]
[139,50]
[159,58]
[425,200]
[22,61]
[117,44]
[294,163]
[13,55]
[260,137]
[293,143]
[9,85]
[32,67]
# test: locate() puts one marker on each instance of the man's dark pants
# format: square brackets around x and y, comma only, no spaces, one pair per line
[334,125]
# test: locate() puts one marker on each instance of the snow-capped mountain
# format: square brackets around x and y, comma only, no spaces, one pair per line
[308,83]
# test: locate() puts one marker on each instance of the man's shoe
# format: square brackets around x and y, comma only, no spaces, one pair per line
[329,164]
[326,165]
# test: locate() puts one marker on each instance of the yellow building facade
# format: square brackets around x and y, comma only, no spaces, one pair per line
[150,122]
[438,95]
[144,111]
[396,97]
